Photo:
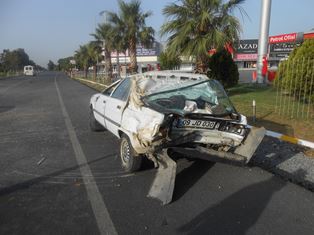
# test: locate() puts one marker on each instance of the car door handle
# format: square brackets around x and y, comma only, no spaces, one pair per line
[118,107]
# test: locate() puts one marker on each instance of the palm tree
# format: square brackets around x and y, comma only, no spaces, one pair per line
[131,22]
[196,26]
[81,57]
[88,55]
[105,36]
[121,44]
[94,55]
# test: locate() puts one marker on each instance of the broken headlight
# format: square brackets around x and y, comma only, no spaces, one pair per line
[233,128]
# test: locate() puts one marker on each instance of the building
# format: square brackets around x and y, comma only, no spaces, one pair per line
[147,59]
[279,48]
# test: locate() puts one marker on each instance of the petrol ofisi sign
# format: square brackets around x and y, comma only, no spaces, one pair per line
[291,37]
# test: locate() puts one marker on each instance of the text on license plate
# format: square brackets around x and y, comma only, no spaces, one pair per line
[195,123]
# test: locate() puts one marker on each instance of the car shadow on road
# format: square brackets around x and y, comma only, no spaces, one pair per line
[189,176]
[237,213]
[29,183]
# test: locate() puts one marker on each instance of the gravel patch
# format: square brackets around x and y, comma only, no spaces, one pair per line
[286,160]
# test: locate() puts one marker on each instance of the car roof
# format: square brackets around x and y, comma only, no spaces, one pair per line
[159,81]
[183,76]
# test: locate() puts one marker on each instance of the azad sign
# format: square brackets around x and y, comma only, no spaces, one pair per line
[247,46]
[291,37]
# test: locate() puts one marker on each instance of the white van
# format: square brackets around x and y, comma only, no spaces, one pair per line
[29,70]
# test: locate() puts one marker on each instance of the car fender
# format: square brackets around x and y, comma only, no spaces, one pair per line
[141,124]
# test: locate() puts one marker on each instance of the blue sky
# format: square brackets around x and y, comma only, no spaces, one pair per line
[53,29]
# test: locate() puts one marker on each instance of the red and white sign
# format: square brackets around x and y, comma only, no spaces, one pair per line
[291,37]
[246,56]
[121,54]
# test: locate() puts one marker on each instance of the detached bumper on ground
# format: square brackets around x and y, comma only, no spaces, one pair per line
[163,185]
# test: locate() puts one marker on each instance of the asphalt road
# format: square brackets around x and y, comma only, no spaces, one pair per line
[47,187]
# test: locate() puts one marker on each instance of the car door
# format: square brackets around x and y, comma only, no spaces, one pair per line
[100,104]
[115,105]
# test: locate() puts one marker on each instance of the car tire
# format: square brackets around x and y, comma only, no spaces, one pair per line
[93,123]
[130,161]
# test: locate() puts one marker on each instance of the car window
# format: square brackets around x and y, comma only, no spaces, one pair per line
[109,89]
[122,90]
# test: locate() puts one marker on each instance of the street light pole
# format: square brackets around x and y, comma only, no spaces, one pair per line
[263,38]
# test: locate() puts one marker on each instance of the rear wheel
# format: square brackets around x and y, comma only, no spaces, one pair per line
[93,123]
[130,161]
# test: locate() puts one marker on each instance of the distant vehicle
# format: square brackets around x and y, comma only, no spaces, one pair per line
[29,70]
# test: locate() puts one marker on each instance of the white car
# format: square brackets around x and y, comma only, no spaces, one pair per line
[29,70]
[188,113]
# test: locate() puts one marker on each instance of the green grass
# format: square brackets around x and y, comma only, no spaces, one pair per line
[92,85]
[288,121]
[8,74]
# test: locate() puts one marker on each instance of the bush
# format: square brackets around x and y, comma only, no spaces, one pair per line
[168,61]
[223,68]
[296,73]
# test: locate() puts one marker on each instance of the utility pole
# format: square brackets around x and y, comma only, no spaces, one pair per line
[263,38]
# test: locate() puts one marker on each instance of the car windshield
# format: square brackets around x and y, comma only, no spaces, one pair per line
[207,97]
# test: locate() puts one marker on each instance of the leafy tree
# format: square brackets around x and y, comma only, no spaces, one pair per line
[196,26]
[64,64]
[131,20]
[14,60]
[223,68]
[297,72]
[51,66]
[168,61]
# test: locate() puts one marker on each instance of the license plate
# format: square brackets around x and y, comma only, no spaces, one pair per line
[189,123]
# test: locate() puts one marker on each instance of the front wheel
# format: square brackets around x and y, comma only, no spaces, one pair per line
[130,161]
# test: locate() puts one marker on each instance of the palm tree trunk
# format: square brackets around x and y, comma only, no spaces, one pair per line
[202,64]
[108,64]
[118,64]
[132,51]
[85,72]
[94,72]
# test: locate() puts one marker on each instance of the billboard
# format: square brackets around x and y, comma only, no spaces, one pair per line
[248,46]
[283,47]
[247,57]
[141,51]
[280,46]
[291,37]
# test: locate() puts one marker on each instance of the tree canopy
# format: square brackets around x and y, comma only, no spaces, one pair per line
[196,26]
[130,21]
[14,60]
[168,61]
[297,72]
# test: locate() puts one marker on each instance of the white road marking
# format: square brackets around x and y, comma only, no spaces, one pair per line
[104,222]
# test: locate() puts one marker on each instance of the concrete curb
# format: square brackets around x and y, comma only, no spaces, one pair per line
[289,139]
[85,80]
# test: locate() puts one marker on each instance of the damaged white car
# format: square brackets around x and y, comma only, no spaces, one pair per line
[161,110]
